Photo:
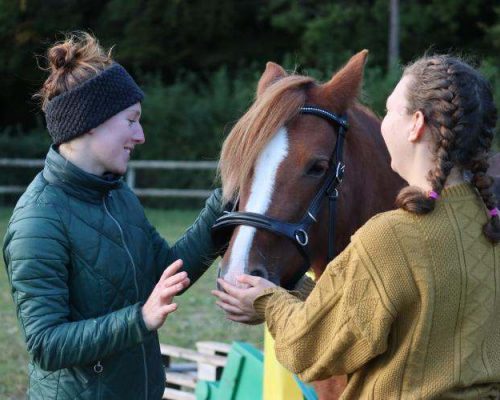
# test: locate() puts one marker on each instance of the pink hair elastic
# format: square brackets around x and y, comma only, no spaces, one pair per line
[433,195]
[493,212]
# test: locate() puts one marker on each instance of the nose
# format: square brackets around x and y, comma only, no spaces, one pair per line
[260,271]
[219,273]
[138,136]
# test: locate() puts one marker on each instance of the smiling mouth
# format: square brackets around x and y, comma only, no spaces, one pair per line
[129,150]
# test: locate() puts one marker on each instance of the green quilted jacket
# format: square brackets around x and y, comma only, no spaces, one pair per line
[81,259]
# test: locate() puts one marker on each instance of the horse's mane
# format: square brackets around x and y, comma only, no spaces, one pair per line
[272,109]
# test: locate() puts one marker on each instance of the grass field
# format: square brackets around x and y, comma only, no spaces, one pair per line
[196,319]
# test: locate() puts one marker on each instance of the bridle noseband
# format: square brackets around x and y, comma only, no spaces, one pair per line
[298,233]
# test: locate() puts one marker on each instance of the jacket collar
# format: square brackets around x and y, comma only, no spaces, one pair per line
[74,181]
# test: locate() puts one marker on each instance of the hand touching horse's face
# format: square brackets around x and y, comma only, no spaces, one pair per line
[275,161]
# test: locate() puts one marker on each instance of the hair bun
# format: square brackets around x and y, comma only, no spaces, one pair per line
[63,56]
[70,62]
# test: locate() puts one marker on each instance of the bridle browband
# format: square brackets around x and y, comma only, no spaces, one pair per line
[298,232]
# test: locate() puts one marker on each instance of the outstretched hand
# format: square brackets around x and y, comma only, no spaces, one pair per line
[159,303]
[238,302]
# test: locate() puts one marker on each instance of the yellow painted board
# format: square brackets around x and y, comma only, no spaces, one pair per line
[278,381]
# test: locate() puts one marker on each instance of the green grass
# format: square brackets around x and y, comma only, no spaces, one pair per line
[198,318]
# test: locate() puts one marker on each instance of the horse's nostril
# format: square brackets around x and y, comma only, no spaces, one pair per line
[260,272]
[219,275]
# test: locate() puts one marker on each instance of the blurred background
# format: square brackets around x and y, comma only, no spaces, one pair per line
[198,62]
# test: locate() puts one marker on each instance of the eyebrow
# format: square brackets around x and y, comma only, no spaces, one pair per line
[136,113]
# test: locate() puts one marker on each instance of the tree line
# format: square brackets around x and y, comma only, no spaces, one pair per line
[199,60]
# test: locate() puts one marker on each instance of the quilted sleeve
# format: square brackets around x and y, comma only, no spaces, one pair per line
[37,256]
[195,247]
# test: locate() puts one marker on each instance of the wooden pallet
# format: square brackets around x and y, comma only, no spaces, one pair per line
[205,363]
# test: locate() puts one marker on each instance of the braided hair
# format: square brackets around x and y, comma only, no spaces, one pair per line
[460,113]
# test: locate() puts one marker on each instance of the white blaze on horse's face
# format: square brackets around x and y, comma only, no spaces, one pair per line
[261,193]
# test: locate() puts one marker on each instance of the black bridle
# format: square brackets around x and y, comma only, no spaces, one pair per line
[298,233]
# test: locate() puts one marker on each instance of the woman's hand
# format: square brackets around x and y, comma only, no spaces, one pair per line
[238,302]
[159,304]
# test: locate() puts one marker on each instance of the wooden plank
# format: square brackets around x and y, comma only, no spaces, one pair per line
[188,354]
[193,193]
[208,347]
[130,178]
[174,394]
[208,372]
[173,164]
[182,367]
[176,378]
[21,162]
[12,189]
[144,164]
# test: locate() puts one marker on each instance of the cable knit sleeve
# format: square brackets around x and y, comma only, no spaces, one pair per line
[344,323]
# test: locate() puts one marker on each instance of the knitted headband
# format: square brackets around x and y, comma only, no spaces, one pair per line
[90,103]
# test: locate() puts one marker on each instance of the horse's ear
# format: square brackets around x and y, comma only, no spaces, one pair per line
[272,73]
[345,85]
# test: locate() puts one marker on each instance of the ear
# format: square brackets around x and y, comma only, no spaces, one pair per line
[272,73]
[345,85]
[418,127]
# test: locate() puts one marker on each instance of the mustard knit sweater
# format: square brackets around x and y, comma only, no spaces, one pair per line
[409,310]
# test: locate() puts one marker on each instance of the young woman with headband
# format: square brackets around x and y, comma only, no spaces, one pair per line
[87,270]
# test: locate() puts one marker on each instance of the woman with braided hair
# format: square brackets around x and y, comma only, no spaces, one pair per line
[456,104]
[409,310]
[91,279]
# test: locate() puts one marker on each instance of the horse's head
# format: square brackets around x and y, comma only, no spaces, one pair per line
[276,160]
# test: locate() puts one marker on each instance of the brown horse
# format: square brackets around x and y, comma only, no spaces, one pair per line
[278,157]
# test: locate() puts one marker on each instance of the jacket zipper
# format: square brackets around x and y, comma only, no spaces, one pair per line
[136,286]
[98,368]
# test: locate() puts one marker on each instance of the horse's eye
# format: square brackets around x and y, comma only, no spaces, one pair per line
[317,169]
